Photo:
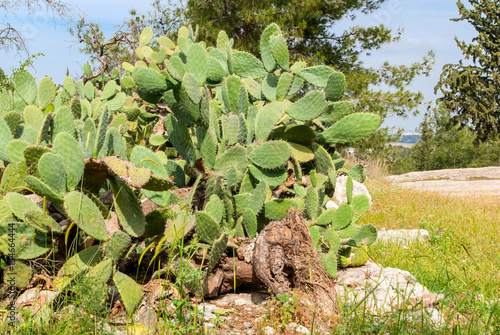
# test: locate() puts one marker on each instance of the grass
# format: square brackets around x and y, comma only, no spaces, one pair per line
[460,260]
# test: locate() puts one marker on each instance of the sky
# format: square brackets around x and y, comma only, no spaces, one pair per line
[426,26]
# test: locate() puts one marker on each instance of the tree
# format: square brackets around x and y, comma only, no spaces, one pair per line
[10,37]
[470,88]
[444,145]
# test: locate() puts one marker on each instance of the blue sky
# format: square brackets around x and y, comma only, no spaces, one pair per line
[426,27]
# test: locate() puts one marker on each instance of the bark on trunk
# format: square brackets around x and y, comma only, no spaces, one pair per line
[282,258]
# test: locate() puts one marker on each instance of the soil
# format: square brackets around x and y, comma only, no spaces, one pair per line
[459,182]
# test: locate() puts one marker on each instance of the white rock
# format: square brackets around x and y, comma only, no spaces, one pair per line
[340,195]
[302,330]
[269,330]
[331,204]
[402,237]
[382,290]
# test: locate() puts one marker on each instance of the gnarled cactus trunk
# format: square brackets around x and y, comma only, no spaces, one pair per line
[282,258]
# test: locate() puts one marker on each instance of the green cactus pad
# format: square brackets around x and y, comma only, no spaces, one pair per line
[336,111]
[332,238]
[114,142]
[128,208]
[13,120]
[360,256]
[250,223]
[149,80]
[5,138]
[143,157]
[335,86]
[85,214]
[19,204]
[311,203]
[309,107]
[267,118]
[21,273]
[270,86]
[81,262]
[117,102]
[117,245]
[326,217]
[197,62]
[342,217]
[276,209]
[271,177]
[71,154]
[109,90]
[349,231]
[25,86]
[217,66]
[279,49]
[207,140]
[284,84]
[41,221]
[218,248]
[266,51]
[15,151]
[207,229]
[43,190]
[28,242]
[192,88]
[76,108]
[247,66]
[301,153]
[271,155]
[315,235]
[329,262]
[33,153]
[258,197]
[358,173]
[349,189]
[351,128]
[365,236]
[322,159]
[46,92]
[180,138]
[99,276]
[63,122]
[52,172]
[215,207]
[316,75]
[253,87]
[241,201]
[146,36]
[236,157]
[89,90]
[130,291]
[300,134]
[69,86]
[360,204]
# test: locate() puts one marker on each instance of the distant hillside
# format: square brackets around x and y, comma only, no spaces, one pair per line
[410,138]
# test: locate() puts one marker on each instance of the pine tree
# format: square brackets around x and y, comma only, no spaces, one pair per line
[471,88]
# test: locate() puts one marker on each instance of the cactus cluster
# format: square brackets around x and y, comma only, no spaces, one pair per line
[211,119]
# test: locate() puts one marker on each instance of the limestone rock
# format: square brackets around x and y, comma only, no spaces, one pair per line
[340,195]
[382,290]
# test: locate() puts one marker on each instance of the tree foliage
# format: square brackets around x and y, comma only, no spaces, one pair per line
[470,88]
[446,146]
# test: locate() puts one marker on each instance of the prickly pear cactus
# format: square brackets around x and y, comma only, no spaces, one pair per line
[221,141]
